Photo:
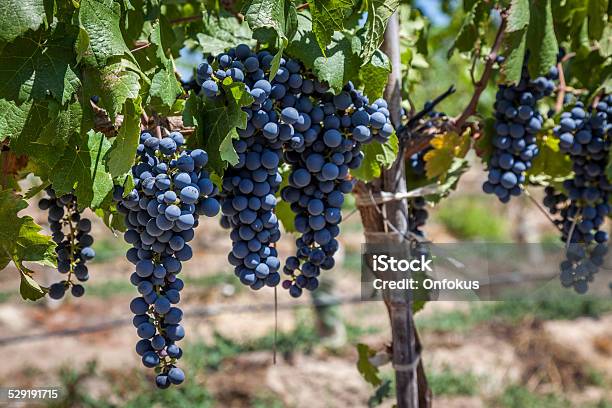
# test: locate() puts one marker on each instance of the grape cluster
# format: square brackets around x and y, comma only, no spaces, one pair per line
[514,141]
[71,234]
[172,189]
[320,178]
[584,135]
[297,119]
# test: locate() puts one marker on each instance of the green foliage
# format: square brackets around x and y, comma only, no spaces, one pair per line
[469,218]
[551,303]
[377,157]
[530,27]
[217,122]
[329,16]
[368,371]
[449,382]
[223,31]
[21,241]
[518,396]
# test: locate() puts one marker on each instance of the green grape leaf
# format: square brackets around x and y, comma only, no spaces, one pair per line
[597,14]
[518,19]
[162,37]
[470,30]
[280,16]
[29,289]
[368,371]
[551,163]
[341,62]
[222,31]
[217,123]
[541,39]
[101,19]
[377,157]
[121,155]
[19,16]
[449,182]
[379,12]
[114,84]
[190,112]
[283,209]
[165,88]
[329,16]
[21,241]
[82,167]
[12,118]
[32,66]
[382,392]
[82,44]
[373,76]
[514,43]
[45,130]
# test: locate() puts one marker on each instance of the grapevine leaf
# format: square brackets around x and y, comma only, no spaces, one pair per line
[165,88]
[483,145]
[451,178]
[518,18]
[121,154]
[377,157]
[605,45]
[82,44]
[29,289]
[470,29]
[373,76]
[514,44]
[12,118]
[381,393]
[101,19]
[329,16]
[34,190]
[280,16]
[218,120]
[550,163]
[446,147]
[192,107]
[283,209]
[32,66]
[341,63]
[379,12]
[162,37]
[20,238]
[82,167]
[114,84]
[597,14]
[368,371]
[19,16]
[46,129]
[541,39]
[222,31]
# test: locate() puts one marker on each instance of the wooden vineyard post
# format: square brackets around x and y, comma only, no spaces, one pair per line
[388,223]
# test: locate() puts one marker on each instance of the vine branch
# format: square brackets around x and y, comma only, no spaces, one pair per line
[486,74]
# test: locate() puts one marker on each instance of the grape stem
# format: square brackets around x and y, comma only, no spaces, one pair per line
[561,88]
[542,209]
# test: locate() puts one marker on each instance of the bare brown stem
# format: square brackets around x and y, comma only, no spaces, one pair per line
[486,74]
